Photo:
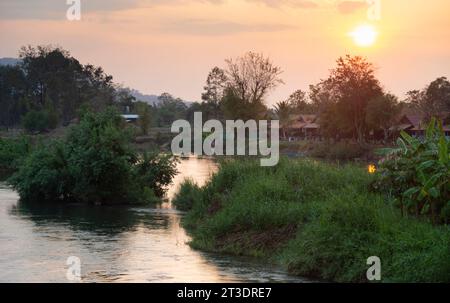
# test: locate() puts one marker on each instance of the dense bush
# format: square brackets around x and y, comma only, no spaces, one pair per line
[38,121]
[93,164]
[318,220]
[188,193]
[12,151]
[417,174]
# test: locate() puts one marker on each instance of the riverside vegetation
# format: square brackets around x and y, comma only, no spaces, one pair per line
[94,163]
[321,220]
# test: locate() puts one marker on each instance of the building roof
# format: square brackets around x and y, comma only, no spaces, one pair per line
[401,127]
[130,117]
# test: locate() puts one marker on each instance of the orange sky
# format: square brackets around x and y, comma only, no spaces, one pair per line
[170,45]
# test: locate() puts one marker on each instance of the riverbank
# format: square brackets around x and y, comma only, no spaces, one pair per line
[344,150]
[116,243]
[318,220]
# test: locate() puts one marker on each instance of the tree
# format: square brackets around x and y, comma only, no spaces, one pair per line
[299,103]
[250,78]
[433,100]
[382,112]
[145,119]
[234,108]
[216,84]
[170,109]
[283,110]
[13,102]
[352,84]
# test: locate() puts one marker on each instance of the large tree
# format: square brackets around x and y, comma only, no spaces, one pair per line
[352,85]
[249,79]
[433,100]
[252,76]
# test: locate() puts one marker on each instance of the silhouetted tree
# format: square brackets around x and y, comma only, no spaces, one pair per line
[216,84]
[283,110]
[382,112]
[352,84]
[433,100]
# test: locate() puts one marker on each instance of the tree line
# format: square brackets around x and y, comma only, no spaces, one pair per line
[352,103]
[50,87]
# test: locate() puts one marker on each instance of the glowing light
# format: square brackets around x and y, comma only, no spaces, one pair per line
[364,35]
[372,169]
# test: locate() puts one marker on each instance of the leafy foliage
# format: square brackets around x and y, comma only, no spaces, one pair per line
[12,151]
[93,164]
[187,195]
[417,173]
[316,219]
[38,121]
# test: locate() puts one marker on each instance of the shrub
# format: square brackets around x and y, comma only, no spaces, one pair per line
[43,175]
[157,171]
[93,164]
[417,174]
[12,151]
[35,121]
[188,193]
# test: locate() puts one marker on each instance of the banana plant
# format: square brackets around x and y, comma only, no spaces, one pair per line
[417,173]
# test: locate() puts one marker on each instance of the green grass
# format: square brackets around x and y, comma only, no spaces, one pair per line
[317,220]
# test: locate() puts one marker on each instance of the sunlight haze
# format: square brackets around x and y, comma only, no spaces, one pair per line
[158,46]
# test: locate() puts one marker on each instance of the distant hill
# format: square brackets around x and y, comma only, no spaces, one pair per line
[150,99]
[9,61]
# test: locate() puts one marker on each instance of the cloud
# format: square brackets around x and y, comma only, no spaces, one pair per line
[56,9]
[214,27]
[307,4]
[349,7]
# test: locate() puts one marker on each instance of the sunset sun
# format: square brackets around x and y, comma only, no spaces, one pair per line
[364,35]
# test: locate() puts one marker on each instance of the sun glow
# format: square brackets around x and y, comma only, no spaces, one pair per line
[364,35]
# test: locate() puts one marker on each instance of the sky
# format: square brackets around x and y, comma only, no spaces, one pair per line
[159,46]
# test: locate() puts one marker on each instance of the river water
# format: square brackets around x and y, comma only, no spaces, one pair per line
[115,244]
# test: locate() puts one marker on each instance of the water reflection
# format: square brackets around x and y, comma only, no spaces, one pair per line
[121,244]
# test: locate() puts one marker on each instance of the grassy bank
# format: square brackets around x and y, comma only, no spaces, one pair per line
[315,219]
[343,150]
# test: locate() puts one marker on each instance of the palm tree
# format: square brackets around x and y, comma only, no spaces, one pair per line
[283,110]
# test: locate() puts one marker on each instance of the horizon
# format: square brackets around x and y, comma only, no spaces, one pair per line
[170,46]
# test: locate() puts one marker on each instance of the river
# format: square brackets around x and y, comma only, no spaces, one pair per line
[116,244]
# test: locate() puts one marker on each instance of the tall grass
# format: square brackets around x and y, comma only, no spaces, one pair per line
[316,219]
